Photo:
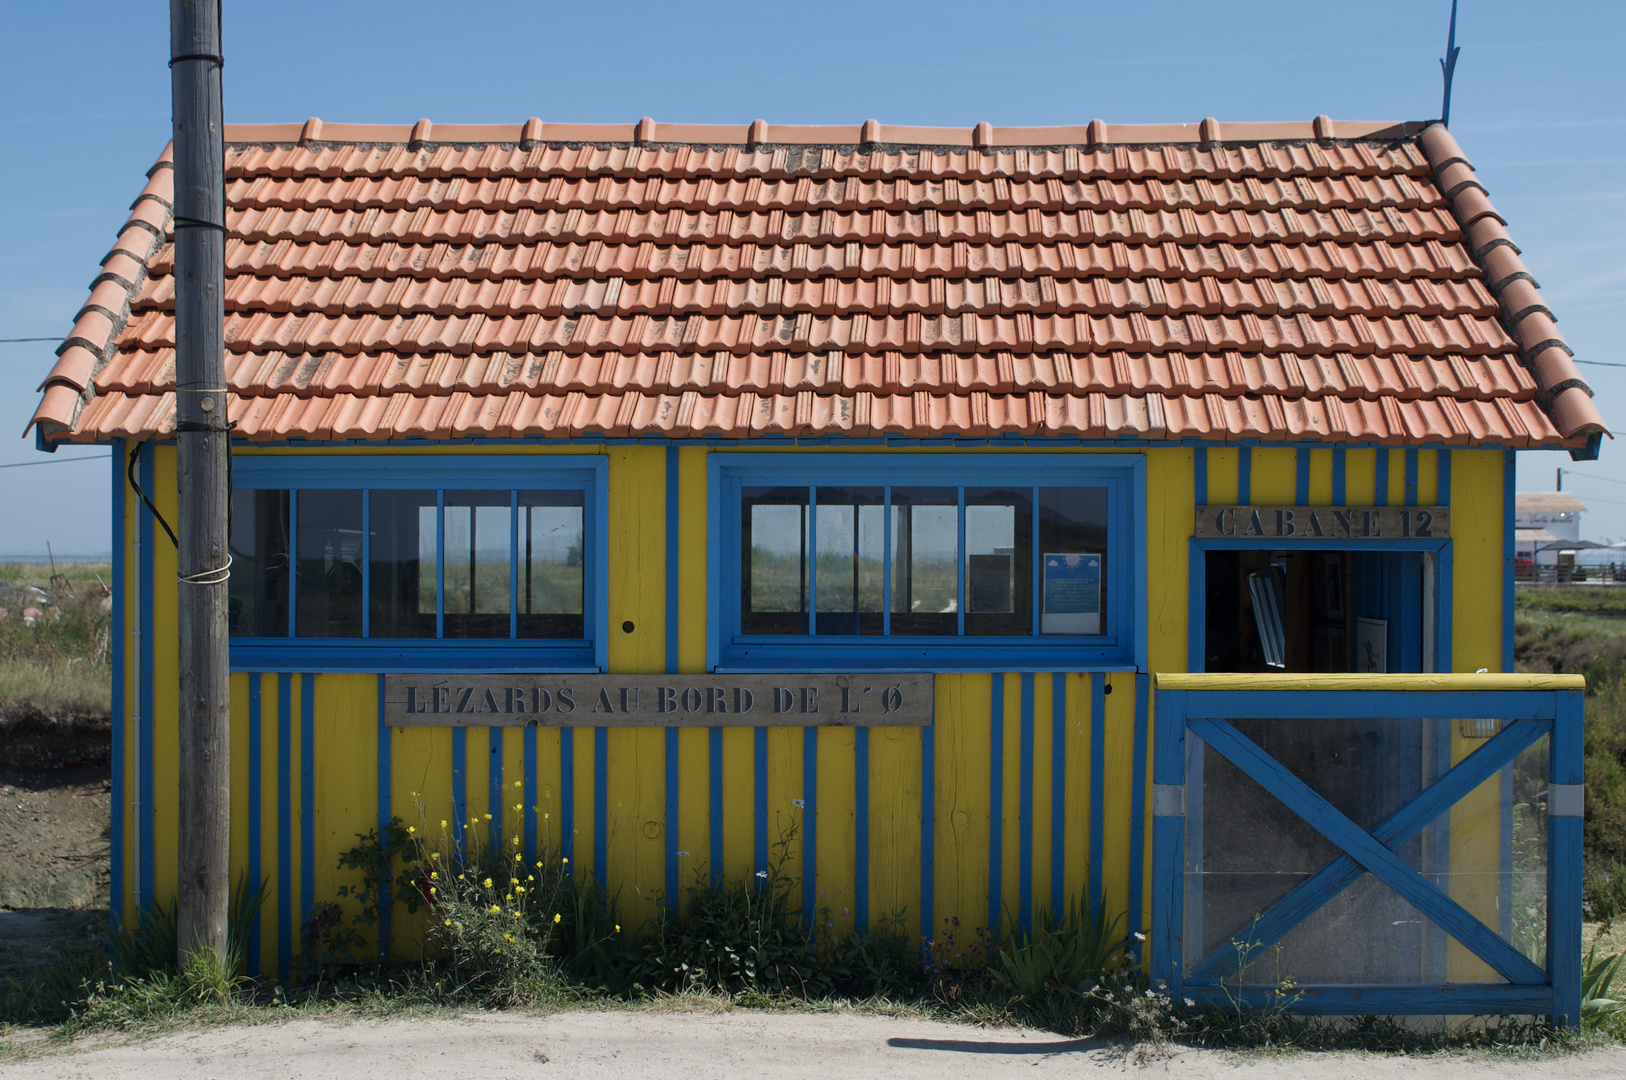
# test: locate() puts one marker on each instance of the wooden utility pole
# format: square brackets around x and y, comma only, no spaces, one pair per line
[195,65]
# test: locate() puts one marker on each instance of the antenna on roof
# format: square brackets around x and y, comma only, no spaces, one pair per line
[1448,66]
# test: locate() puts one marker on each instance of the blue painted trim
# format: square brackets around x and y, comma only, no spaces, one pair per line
[285,836]
[532,802]
[1058,792]
[996,801]
[1380,477]
[567,797]
[369,656]
[1339,471]
[861,829]
[1462,999]
[1098,770]
[596,620]
[810,821]
[256,796]
[759,791]
[337,470]
[1123,645]
[1301,477]
[1510,480]
[307,796]
[1137,807]
[1375,704]
[1244,475]
[673,569]
[670,827]
[1411,476]
[1024,809]
[1444,588]
[386,813]
[146,792]
[496,802]
[1442,474]
[1169,767]
[714,793]
[601,806]
[460,790]
[1322,886]
[118,851]
[1564,853]
[1199,470]
[1196,607]
[1360,845]
[928,832]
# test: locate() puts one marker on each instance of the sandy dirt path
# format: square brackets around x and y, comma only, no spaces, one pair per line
[690,1046]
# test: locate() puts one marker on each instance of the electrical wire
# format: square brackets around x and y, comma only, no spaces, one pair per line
[52,461]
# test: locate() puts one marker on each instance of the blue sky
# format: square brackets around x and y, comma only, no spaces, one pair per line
[1538,106]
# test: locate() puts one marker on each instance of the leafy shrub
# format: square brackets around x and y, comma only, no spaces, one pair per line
[1060,955]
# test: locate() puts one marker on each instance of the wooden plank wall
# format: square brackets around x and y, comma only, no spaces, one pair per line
[1029,790]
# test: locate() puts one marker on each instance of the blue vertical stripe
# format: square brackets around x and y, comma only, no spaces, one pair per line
[601,805]
[1301,478]
[810,823]
[1098,768]
[996,801]
[928,832]
[460,788]
[1024,809]
[671,827]
[144,721]
[1058,792]
[861,828]
[117,851]
[307,796]
[1244,475]
[285,813]
[1380,478]
[256,793]
[386,814]
[1509,500]
[496,798]
[1137,805]
[567,795]
[714,765]
[1199,473]
[673,570]
[1339,467]
[1411,476]
[531,800]
[759,769]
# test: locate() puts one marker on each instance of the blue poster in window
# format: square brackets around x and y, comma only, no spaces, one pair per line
[1072,594]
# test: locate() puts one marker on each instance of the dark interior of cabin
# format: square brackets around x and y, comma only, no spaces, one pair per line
[1315,611]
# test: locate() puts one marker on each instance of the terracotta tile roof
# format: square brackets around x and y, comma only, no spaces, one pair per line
[1312,281]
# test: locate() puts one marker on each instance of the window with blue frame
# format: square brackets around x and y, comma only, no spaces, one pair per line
[969,561]
[349,563]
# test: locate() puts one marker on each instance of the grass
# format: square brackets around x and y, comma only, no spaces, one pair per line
[59,666]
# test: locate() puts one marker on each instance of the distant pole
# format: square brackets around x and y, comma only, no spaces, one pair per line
[1448,66]
[200,411]
[1560,480]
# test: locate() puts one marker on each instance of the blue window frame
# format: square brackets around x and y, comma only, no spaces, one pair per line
[928,561]
[418,563]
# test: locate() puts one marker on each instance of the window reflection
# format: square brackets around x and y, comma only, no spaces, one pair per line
[478,580]
[851,565]
[1073,547]
[774,523]
[551,566]
[999,561]
[328,552]
[925,547]
[402,564]
[257,591]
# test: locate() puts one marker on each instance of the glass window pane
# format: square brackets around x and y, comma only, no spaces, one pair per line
[478,538]
[552,570]
[851,574]
[1073,549]
[925,551]
[774,544]
[257,593]
[402,553]
[998,561]
[328,549]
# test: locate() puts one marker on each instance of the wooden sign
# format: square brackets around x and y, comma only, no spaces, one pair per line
[883,699]
[1339,524]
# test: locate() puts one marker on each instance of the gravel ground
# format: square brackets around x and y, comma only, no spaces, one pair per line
[699,1046]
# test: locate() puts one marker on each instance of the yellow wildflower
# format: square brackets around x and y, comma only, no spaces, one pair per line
[434,875]
[516,783]
[488,817]
[496,909]
[448,923]
[412,828]
[443,823]
[508,937]
[486,883]
[520,889]
[618,928]
[556,918]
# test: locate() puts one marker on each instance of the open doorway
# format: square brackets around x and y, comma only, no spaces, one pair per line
[1317,611]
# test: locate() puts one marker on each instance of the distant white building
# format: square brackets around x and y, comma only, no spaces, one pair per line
[1541,518]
